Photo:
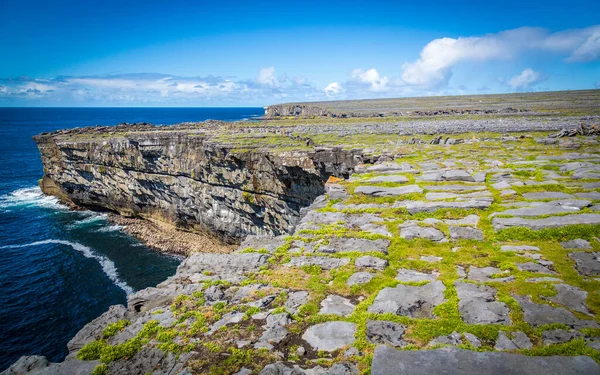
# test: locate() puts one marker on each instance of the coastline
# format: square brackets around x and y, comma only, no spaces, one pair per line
[166,238]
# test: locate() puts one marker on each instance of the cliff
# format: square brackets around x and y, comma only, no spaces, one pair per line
[187,177]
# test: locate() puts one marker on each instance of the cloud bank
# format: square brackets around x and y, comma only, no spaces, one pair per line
[429,74]
[433,69]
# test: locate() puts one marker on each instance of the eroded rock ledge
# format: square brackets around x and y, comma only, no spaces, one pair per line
[186,176]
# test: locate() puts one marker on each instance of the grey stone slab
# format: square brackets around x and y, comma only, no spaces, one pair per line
[324,262]
[571,297]
[336,305]
[485,274]
[406,275]
[539,314]
[414,207]
[296,300]
[359,278]
[346,244]
[519,248]
[330,336]
[544,209]
[455,361]
[466,233]
[416,231]
[477,305]
[452,339]
[534,267]
[576,244]
[471,220]
[559,336]
[378,191]
[385,332]
[455,187]
[408,300]
[547,195]
[518,341]
[371,262]
[550,222]
[587,263]
[391,178]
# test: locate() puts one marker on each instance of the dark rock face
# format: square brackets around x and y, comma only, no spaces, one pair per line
[188,179]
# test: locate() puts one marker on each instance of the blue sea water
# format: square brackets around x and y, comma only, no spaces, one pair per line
[60,269]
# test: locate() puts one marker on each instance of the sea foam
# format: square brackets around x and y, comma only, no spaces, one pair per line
[30,196]
[108,266]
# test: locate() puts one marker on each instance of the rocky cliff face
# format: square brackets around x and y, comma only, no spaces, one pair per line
[188,178]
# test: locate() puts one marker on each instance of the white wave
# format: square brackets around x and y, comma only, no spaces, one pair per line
[30,196]
[108,266]
[89,219]
[110,228]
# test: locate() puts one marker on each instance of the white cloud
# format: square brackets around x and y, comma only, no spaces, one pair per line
[267,76]
[333,88]
[433,69]
[370,77]
[134,89]
[526,79]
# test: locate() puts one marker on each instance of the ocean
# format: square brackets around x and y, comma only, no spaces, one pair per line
[60,269]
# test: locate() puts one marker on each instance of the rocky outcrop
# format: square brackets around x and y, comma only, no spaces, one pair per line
[188,178]
[309,110]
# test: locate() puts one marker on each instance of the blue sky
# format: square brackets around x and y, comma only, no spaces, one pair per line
[241,53]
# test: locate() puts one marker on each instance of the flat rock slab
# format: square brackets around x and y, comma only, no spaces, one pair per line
[345,244]
[392,178]
[405,275]
[550,222]
[371,262]
[466,233]
[455,187]
[385,332]
[477,305]
[558,336]
[336,305]
[223,265]
[547,195]
[452,175]
[576,244]
[539,314]
[472,220]
[587,263]
[571,297]
[416,231]
[519,340]
[539,210]
[534,267]
[407,300]
[359,278]
[485,274]
[414,207]
[325,263]
[593,195]
[378,191]
[519,248]
[296,300]
[330,336]
[389,167]
[454,361]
